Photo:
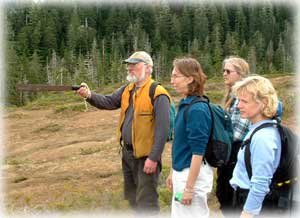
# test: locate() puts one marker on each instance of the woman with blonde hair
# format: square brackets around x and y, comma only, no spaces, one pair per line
[190,178]
[258,103]
[234,69]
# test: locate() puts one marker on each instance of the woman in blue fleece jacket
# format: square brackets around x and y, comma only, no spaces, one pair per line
[190,175]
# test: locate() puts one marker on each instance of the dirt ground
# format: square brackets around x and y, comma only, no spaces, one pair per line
[68,161]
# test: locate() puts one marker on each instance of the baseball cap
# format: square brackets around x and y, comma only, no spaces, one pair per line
[139,56]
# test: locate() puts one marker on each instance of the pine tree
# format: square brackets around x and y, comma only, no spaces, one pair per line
[243,52]
[240,25]
[72,36]
[185,27]
[51,69]
[230,46]
[148,18]
[279,57]
[225,28]
[35,72]
[259,43]
[254,21]
[287,38]
[13,75]
[195,48]
[200,26]
[267,26]
[206,60]
[49,42]
[95,64]
[252,60]
[216,48]
[165,25]
[81,74]
[270,56]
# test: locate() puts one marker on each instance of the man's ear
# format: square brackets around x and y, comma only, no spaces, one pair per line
[148,68]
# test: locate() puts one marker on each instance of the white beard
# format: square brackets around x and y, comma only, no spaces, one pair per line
[134,79]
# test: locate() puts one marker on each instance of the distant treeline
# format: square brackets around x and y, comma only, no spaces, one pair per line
[73,43]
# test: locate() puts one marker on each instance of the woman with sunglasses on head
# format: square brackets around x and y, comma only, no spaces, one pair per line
[234,69]
[190,178]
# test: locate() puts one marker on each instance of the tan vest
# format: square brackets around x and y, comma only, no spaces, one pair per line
[143,119]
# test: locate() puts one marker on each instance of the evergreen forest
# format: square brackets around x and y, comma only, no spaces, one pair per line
[69,44]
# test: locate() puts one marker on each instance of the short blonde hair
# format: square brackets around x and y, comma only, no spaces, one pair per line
[262,90]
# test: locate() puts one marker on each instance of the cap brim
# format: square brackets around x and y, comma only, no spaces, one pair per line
[132,60]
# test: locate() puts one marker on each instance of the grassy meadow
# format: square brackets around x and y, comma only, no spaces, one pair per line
[61,158]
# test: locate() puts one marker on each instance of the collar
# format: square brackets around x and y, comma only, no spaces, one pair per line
[187,100]
[253,126]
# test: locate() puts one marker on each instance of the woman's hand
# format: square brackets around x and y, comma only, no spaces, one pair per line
[245,214]
[187,196]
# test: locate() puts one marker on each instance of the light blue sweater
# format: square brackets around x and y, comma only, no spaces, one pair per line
[265,151]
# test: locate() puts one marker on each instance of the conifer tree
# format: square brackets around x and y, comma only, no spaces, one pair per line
[252,60]
[240,25]
[200,26]
[270,56]
[279,57]
[217,49]
[230,45]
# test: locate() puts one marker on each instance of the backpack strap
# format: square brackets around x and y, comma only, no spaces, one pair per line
[247,154]
[205,100]
[195,100]
[152,91]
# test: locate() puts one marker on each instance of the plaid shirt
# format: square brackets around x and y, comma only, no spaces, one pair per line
[240,125]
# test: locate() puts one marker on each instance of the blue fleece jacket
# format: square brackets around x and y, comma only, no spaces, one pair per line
[190,136]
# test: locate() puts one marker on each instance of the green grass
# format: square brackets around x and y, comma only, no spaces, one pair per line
[20,179]
[70,107]
[277,74]
[52,99]
[215,96]
[88,151]
[16,161]
[165,196]
[52,127]
[288,100]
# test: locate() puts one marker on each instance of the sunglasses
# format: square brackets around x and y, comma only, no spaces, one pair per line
[228,71]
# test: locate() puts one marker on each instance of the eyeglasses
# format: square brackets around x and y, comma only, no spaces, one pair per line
[174,76]
[228,71]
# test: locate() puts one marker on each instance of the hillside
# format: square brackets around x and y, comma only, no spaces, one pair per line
[69,160]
